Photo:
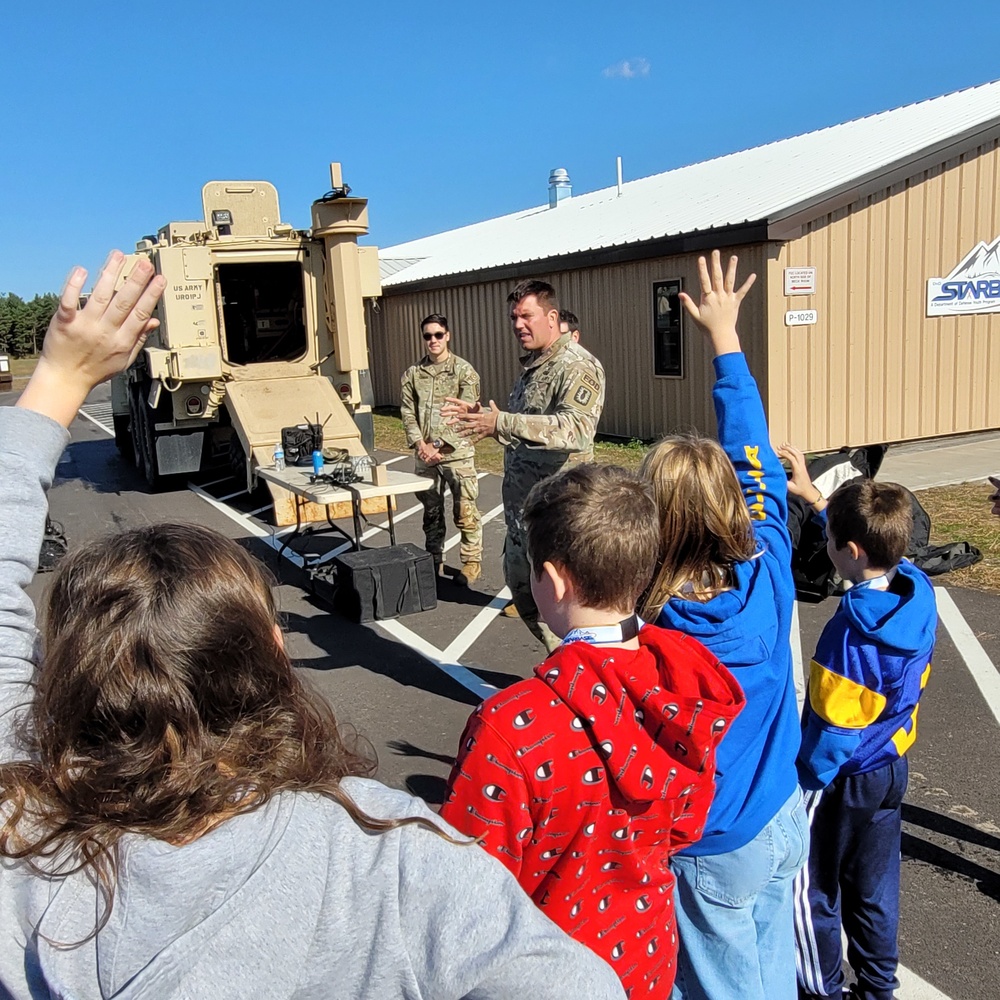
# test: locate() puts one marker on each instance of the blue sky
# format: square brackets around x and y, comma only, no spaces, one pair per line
[442,113]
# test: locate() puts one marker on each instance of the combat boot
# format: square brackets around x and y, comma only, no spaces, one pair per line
[472,571]
[509,610]
[438,564]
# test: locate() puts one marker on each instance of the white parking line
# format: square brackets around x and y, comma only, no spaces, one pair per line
[488,516]
[443,660]
[268,538]
[984,673]
[911,986]
[394,629]
[373,530]
[797,670]
[454,670]
[97,423]
[461,643]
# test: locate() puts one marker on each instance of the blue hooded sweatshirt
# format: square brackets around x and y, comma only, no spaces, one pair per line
[871,665]
[748,629]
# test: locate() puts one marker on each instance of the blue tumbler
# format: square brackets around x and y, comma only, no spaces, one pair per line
[317,462]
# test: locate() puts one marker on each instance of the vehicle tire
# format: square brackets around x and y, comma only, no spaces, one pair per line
[123,436]
[237,459]
[150,468]
[134,428]
[144,436]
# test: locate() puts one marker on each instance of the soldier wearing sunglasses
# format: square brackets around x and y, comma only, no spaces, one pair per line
[441,453]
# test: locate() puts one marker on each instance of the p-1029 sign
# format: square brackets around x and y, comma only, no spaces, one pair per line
[801,317]
[972,287]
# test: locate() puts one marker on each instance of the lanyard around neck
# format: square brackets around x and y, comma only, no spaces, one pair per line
[601,635]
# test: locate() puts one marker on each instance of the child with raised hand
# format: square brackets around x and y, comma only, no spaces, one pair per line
[586,778]
[724,578]
[799,482]
[870,668]
[178,816]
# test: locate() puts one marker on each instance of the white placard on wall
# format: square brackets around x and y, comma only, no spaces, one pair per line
[800,280]
[800,317]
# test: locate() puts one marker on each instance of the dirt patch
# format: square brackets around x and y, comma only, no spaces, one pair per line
[489,453]
[21,369]
[962,514]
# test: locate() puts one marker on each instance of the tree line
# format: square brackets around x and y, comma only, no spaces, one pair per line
[23,324]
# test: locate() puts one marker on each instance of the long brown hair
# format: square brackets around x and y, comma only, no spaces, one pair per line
[705,525]
[166,703]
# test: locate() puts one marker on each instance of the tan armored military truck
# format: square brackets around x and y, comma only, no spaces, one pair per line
[261,327]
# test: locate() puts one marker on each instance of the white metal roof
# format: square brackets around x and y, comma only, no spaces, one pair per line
[760,184]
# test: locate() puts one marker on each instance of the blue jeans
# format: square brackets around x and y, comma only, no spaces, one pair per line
[735,916]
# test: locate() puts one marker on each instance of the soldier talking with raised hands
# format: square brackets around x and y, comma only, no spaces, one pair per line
[549,424]
[441,453]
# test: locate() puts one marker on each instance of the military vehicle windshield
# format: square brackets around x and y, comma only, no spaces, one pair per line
[262,311]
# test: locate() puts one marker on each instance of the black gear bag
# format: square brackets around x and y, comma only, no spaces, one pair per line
[377,584]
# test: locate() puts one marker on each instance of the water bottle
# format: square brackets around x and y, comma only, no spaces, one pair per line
[317,462]
[279,458]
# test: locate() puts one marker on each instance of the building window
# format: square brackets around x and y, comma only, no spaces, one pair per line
[668,331]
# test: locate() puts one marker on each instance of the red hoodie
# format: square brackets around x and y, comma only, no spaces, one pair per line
[585,779]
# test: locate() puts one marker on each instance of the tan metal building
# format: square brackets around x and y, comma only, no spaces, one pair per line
[876,315]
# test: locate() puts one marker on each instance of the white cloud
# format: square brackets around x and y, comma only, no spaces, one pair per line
[628,69]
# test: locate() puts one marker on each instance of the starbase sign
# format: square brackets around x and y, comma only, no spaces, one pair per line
[972,287]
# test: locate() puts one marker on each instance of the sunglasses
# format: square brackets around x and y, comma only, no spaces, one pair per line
[435,336]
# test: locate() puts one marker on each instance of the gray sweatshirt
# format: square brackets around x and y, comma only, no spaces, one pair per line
[293,900]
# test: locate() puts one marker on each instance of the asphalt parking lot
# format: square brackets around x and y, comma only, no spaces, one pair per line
[408,686]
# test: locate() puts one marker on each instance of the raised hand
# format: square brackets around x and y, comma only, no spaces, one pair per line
[84,347]
[719,305]
[800,484]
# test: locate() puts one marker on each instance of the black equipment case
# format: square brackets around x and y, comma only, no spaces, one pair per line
[376,584]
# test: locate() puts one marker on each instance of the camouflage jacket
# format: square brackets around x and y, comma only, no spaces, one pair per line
[425,387]
[551,417]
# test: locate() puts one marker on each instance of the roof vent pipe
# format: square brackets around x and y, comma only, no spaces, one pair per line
[560,186]
[619,165]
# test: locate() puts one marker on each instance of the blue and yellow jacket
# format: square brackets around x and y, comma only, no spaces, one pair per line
[871,665]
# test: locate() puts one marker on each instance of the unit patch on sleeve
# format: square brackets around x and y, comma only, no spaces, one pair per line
[584,391]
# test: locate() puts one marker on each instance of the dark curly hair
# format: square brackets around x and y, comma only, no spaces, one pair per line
[165,705]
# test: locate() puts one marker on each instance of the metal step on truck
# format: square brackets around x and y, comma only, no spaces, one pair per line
[261,327]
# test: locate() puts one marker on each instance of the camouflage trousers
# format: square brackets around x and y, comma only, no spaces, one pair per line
[460,478]
[517,574]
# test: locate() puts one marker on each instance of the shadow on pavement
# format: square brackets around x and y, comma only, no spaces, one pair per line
[497,678]
[98,464]
[949,826]
[347,645]
[453,590]
[429,787]
[404,748]
[987,881]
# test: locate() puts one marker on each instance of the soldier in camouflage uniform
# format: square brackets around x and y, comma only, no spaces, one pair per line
[549,424]
[441,453]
